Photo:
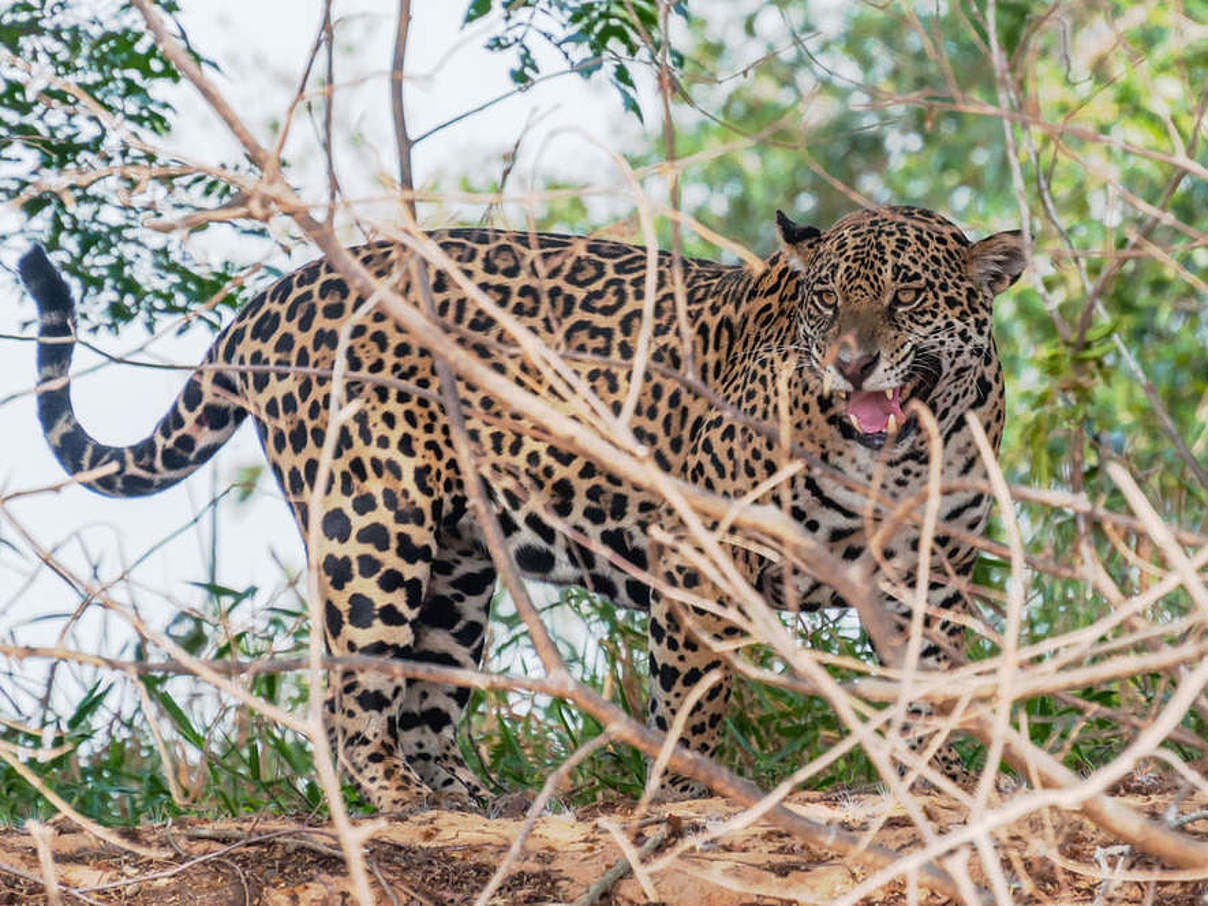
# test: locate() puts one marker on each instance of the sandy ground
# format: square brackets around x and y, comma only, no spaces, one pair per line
[442,857]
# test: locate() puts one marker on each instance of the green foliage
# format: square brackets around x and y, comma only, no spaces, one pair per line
[519,740]
[79,98]
[773,731]
[230,760]
[590,35]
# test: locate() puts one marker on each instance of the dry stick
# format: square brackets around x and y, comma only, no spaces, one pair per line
[618,871]
[161,746]
[641,355]
[1016,595]
[1009,662]
[42,835]
[1176,557]
[1033,682]
[1054,130]
[655,772]
[677,239]
[908,660]
[1135,876]
[1107,813]
[324,40]
[36,879]
[32,753]
[1182,735]
[1086,794]
[873,690]
[472,479]
[340,258]
[211,672]
[203,833]
[329,106]
[552,782]
[78,478]
[1095,302]
[399,112]
[1120,614]
[1148,635]
[493,536]
[350,838]
[1148,836]
[885,634]
[494,197]
[999,63]
[753,813]
[389,667]
[322,36]
[1156,251]
[1142,235]
[670,168]
[630,855]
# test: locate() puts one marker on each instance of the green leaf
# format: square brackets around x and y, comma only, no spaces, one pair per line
[476,10]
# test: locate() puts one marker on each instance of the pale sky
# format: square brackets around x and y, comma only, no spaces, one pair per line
[261,47]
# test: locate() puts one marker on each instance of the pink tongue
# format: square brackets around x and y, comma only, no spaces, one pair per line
[871,409]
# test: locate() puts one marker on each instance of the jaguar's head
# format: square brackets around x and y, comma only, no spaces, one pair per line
[896,305]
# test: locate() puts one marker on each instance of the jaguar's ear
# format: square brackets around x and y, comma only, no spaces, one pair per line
[997,261]
[796,238]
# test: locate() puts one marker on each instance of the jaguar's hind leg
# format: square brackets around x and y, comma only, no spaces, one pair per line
[449,630]
[374,573]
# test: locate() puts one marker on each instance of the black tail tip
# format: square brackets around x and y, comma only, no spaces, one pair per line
[43,281]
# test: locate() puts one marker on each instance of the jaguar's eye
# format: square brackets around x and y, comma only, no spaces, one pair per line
[907,297]
[828,300]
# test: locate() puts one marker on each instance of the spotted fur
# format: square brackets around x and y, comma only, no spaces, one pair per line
[887,298]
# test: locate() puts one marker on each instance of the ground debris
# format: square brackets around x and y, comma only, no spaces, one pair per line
[440,857]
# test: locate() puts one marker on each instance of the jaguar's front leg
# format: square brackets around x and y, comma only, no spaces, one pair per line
[686,666]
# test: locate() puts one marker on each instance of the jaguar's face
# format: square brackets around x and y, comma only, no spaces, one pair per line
[896,306]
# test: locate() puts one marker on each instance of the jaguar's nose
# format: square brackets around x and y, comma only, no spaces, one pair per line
[855,366]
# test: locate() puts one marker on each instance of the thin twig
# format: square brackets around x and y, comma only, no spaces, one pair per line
[620,869]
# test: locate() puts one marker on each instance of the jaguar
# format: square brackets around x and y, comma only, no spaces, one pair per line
[846,339]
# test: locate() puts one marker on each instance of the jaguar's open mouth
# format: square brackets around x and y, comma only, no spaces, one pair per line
[874,417]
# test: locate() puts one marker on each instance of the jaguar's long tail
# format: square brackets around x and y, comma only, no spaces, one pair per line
[204,415]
